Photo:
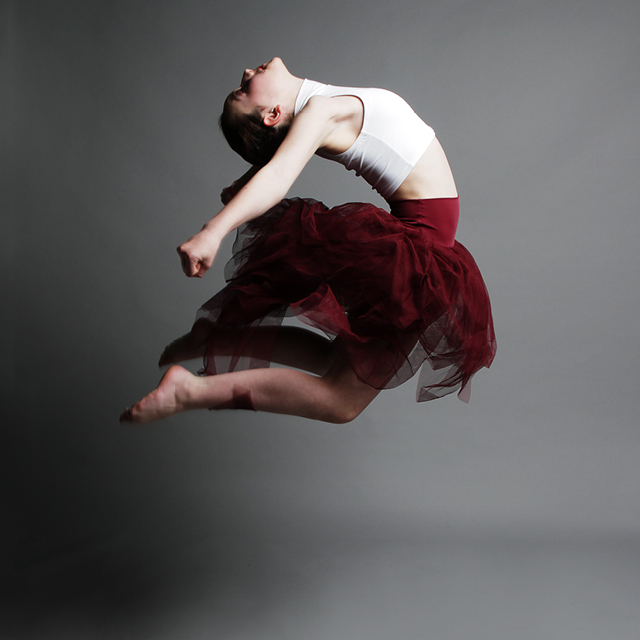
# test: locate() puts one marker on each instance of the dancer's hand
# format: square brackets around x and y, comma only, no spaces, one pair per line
[197,253]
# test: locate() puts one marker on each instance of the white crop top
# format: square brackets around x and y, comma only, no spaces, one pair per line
[392,140]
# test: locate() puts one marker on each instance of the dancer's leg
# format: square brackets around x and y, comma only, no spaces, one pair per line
[294,347]
[336,397]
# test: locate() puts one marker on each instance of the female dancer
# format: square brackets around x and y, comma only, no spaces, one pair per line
[391,290]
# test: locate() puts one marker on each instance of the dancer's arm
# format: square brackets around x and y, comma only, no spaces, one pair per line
[228,193]
[265,189]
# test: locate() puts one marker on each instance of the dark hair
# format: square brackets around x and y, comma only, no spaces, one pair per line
[249,136]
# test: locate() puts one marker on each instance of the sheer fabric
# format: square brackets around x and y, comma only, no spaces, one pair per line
[395,292]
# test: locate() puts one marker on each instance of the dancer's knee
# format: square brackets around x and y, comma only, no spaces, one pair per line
[345,413]
[347,403]
[347,396]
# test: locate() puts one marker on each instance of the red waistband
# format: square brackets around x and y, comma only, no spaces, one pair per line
[440,215]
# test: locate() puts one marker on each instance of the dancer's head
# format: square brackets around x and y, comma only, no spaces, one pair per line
[255,118]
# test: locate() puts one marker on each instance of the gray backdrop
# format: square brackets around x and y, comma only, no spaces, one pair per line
[515,516]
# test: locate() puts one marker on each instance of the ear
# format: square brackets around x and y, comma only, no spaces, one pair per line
[273,116]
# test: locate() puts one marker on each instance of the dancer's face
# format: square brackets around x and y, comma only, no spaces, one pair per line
[260,87]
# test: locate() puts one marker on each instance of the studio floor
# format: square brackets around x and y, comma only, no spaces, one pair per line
[252,584]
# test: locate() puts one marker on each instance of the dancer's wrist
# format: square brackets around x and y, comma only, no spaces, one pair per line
[213,232]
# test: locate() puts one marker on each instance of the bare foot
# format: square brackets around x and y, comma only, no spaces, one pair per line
[181,349]
[168,398]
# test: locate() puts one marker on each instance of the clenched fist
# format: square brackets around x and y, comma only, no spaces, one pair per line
[197,254]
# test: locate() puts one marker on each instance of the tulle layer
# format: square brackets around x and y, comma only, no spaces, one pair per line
[388,290]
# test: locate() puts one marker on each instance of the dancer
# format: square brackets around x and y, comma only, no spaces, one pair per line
[393,292]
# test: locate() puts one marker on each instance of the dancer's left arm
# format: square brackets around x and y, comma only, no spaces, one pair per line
[265,189]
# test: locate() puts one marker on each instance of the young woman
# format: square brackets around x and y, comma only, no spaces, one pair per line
[390,290]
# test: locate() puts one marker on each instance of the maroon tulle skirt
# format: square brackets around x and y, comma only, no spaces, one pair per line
[394,291]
